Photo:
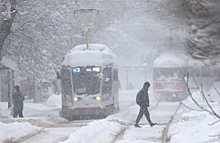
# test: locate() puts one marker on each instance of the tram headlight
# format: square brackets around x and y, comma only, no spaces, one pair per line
[98,98]
[75,99]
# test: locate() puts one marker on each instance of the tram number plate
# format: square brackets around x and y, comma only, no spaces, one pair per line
[80,90]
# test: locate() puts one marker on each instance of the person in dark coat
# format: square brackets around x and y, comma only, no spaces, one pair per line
[18,99]
[144,104]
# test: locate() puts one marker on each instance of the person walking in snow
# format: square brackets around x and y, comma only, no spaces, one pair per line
[18,99]
[142,100]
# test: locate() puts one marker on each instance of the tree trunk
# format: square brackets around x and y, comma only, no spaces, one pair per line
[5,27]
[37,94]
[9,89]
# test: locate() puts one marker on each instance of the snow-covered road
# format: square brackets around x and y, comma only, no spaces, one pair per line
[49,127]
[43,124]
[161,113]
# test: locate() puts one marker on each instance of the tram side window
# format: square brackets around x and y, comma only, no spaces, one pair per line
[106,85]
[66,82]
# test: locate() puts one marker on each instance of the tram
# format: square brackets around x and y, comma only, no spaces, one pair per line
[169,72]
[89,82]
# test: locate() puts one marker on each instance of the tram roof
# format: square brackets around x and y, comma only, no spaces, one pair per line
[96,55]
[170,59]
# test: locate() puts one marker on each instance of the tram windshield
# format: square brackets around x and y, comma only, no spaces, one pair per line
[167,74]
[86,80]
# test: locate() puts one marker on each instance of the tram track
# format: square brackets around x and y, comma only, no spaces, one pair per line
[39,137]
[164,135]
[45,128]
[164,138]
[40,123]
[127,126]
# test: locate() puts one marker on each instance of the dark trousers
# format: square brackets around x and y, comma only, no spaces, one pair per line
[143,111]
[16,113]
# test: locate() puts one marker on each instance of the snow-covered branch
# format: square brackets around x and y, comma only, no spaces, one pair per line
[189,107]
[214,123]
[203,43]
[21,3]
[212,112]
[187,86]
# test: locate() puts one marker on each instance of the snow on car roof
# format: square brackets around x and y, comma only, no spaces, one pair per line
[96,55]
[170,59]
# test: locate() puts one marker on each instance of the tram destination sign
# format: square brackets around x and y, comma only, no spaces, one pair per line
[86,69]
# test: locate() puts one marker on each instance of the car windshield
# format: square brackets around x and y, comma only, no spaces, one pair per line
[86,80]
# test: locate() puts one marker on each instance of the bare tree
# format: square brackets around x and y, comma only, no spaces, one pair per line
[39,38]
[210,109]
[43,31]
[8,11]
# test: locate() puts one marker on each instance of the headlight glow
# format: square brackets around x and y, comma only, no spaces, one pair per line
[98,98]
[75,99]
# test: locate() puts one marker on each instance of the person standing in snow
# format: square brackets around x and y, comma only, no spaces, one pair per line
[18,99]
[143,102]
[130,86]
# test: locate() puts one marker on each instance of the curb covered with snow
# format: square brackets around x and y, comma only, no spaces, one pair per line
[99,131]
[13,132]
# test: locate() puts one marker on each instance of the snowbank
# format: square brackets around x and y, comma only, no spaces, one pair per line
[14,131]
[102,131]
[170,59]
[214,95]
[194,128]
[54,101]
[194,125]
[96,55]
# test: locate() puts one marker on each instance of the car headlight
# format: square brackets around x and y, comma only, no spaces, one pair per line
[98,98]
[75,99]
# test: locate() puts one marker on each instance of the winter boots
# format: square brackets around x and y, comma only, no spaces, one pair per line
[136,125]
[151,124]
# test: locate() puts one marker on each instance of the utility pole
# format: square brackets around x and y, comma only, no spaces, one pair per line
[171,39]
[0,87]
[127,76]
[9,89]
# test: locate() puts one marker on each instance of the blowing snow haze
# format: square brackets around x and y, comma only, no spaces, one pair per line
[81,86]
[136,31]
